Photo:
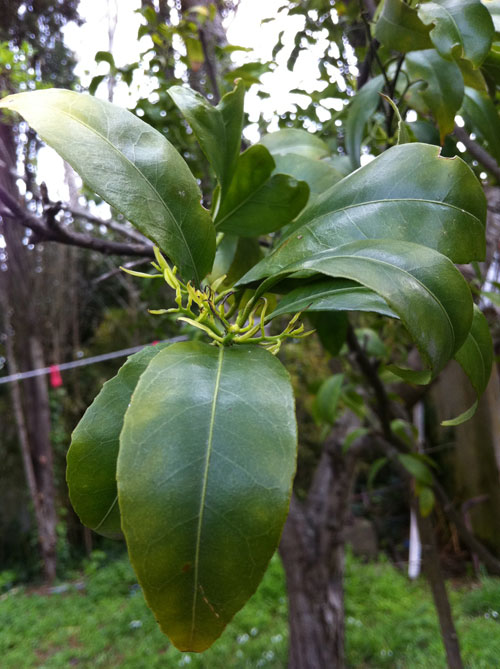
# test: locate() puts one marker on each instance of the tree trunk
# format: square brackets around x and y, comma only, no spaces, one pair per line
[312,551]
[30,401]
[434,575]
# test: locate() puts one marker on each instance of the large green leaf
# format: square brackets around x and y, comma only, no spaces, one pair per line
[408,193]
[399,28]
[131,166]
[482,114]
[217,129]
[207,457]
[361,109]
[291,140]
[462,28]
[258,201]
[476,359]
[91,459]
[419,284]
[441,89]
[332,295]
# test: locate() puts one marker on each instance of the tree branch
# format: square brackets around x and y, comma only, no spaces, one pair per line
[477,152]
[51,230]
[112,225]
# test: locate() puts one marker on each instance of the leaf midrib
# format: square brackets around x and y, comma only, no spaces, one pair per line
[376,261]
[242,203]
[389,201]
[208,453]
[144,179]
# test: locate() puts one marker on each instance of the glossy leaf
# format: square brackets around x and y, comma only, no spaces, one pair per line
[398,27]
[92,456]
[361,109]
[319,175]
[482,114]
[291,140]
[462,28]
[408,193]
[217,129]
[131,166]
[205,470]
[258,201]
[422,286]
[441,89]
[476,359]
[332,295]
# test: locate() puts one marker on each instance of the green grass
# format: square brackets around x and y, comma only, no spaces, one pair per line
[389,623]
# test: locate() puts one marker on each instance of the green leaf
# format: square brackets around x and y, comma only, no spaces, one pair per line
[482,114]
[399,28]
[416,467]
[291,140]
[493,6]
[408,193]
[426,500]
[91,459]
[491,65]
[106,57]
[257,201]
[422,286]
[331,329]
[473,77]
[462,28]
[207,457]
[327,400]
[441,89]
[332,295]
[476,359]
[318,174]
[131,166]
[374,470]
[234,257]
[217,129]
[360,110]
[402,133]
[493,297]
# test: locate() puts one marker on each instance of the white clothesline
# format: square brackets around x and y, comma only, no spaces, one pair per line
[77,363]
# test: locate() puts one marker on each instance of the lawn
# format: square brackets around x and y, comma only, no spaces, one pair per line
[101,620]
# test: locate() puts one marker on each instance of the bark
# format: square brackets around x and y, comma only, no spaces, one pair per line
[20,300]
[312,551]
[432,569]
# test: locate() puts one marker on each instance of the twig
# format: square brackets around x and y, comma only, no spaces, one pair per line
[477,152]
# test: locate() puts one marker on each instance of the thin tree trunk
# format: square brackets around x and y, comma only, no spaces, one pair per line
[312,551]
[39,413]
[432,569]
[42,510]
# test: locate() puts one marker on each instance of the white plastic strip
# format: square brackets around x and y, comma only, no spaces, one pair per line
[78,363]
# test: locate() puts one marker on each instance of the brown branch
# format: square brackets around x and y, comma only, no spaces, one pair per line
[50,230]
[477,152]
[112,225]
